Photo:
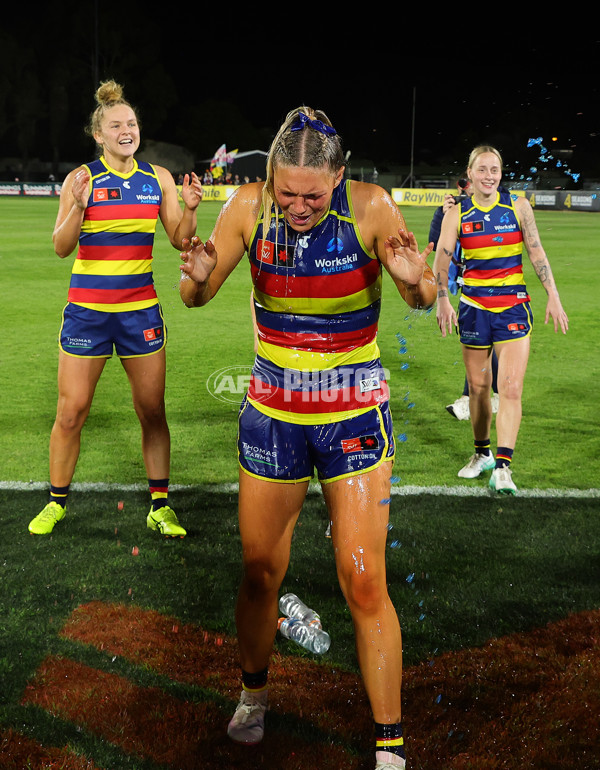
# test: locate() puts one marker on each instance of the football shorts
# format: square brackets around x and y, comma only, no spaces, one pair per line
[94,334]
[482,328]
[277,450]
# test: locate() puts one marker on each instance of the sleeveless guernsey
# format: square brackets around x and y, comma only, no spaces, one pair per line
[317,297]
[113,268]
[492,245]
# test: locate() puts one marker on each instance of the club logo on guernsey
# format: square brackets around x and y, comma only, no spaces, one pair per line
[468,228]
[283,257]
[102,194]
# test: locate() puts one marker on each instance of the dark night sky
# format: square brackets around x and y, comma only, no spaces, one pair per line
[201,78]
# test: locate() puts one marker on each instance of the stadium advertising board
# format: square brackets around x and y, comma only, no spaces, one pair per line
[576,200]
[539,199]
[51,189]
[45,190]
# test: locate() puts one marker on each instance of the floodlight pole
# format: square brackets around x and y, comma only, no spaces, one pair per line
[410,177]
[412,138]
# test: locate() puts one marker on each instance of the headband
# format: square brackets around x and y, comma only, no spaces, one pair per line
[318,125]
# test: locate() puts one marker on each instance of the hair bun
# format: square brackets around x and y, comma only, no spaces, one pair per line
[108,92]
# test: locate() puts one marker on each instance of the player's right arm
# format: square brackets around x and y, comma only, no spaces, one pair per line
[74,196]
[206,266]
[445,313]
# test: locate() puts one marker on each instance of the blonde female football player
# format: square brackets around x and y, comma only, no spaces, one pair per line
[318,397]
[494,308]
[108,210]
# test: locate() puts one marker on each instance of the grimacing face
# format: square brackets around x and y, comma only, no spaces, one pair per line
[303,193]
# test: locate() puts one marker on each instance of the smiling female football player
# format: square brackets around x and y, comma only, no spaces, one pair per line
[109,208]
[494,309]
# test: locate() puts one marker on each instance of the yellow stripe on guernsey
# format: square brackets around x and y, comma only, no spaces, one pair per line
[309,418]
[120,226]
[114,267]
[315,360]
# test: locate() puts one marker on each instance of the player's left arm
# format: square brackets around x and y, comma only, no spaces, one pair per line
[541,264]
[179,224]
[385,232]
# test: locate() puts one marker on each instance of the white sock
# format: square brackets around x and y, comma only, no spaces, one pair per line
[392,759]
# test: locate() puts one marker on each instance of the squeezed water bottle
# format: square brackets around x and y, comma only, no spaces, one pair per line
[290,605]
[311,638]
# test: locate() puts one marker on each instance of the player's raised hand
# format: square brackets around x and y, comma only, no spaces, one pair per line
[404,260]
[198,259]
[191,191]
[80,188]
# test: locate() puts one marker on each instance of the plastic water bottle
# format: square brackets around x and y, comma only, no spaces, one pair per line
[290,605]
[311,638]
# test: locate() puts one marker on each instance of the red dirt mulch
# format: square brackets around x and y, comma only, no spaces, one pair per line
[18,752]
[528,700]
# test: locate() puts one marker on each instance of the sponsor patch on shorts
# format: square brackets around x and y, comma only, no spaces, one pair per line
[152,334]
[359,443]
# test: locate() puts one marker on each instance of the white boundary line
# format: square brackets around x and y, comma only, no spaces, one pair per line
[402,491]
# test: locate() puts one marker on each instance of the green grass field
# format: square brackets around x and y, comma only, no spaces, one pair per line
[464,567]
[558,442]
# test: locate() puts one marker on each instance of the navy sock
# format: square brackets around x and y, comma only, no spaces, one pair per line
[503,456]
[59,495]
[255,682]
[389,738]
[483,447]
[159,492]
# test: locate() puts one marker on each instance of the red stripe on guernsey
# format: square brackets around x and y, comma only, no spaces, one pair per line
[114,252]
[479,275]
[103,212]
[334,343]
[334,285]
[111,296]
[317,402]
[505,300]
[483,241]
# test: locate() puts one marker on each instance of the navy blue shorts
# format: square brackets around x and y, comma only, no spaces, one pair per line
[288,452]
[93,333]
[482,328]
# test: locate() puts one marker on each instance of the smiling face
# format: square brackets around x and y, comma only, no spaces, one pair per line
[303,193]
[485,174]
[119,133]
